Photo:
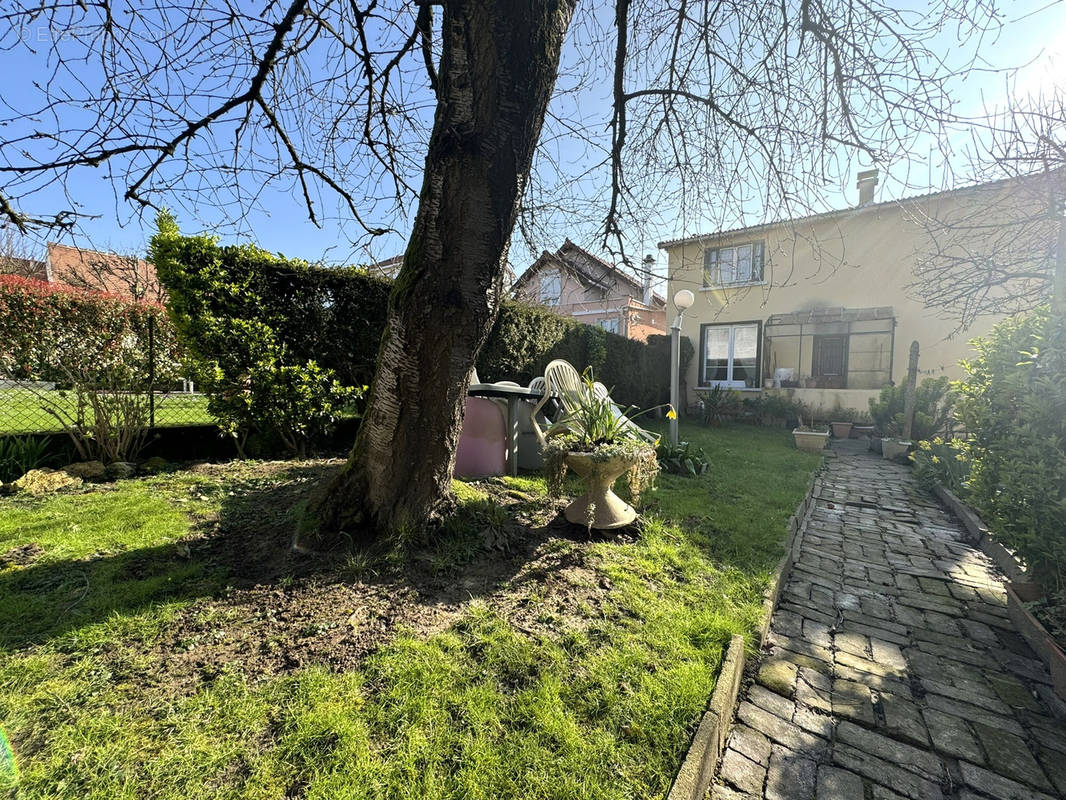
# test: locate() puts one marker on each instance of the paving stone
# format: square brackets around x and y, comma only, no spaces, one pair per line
[838,784]
[974,713]
[1054,767]
[915,759]
[722,792]
[996,785]
[815,690]
[1009,755]
[790,776]
[854,643]
[877,769]
[814,722]
[817,632]
[741,772]
[852,700]
[888,654]
[866,665]
[777,730]
[778,675]
[952,736]
[771,701]
[751,743]
[1013,692]
[903,719]
[986,699]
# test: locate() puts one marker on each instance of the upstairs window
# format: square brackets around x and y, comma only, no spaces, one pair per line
[551,287]
[733,266]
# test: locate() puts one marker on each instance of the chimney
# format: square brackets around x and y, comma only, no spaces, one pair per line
[649,267]
[866,184]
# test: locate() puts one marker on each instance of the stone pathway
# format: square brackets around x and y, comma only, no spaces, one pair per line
[892,670]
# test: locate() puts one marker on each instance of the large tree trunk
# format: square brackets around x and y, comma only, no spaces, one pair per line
[497,72]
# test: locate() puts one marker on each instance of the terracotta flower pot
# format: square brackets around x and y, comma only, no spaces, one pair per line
[599,473]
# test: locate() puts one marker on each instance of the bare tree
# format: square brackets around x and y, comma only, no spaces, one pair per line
[17,253]
[382,105]
[124,274]
[1001,251]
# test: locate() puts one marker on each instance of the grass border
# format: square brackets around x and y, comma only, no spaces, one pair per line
[700,764]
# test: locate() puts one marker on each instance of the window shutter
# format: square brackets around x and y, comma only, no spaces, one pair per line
[710,268]
[757,261]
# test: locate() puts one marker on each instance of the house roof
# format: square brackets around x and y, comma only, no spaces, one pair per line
[389,268]
[125,276]
[842,211]
[24,267]
[560,259]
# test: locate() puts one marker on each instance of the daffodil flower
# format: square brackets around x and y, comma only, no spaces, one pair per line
[671,414]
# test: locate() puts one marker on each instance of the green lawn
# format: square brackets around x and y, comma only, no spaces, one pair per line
[157,641]
[23,410]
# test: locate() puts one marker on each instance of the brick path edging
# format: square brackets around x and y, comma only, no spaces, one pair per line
[698,768]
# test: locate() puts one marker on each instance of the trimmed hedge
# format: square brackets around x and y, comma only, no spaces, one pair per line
[236,304]
[63,335]
[1013,404]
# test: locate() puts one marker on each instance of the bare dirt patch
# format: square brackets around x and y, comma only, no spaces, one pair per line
[21,556]
[283,611]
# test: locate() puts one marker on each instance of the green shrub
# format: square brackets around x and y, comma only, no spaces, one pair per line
[682,460]
[933,402]
[942,462]
[268,333]
[245,313]
[717,403]
[58,334]
[1013,405]
[20,454]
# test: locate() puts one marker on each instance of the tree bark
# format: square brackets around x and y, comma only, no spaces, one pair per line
[498,69]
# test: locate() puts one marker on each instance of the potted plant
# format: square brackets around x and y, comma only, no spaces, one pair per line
[600,443]
[841,430]
[808,438]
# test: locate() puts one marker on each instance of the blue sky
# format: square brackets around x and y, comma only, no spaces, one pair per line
[1035,35]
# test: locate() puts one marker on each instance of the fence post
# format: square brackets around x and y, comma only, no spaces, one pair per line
[909,392]
[151,371]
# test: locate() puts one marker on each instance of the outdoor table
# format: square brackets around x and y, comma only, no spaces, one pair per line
[514,395]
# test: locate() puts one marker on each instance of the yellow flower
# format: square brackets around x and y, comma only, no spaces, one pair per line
[935,460]
[925,445]
[671,414]
[960,457]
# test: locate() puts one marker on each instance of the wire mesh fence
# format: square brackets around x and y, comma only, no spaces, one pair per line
[140,394]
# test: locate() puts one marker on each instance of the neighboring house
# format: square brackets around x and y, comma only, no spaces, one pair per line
[821,304]
[23,267]
[125,276]
[389,268]
[577,284]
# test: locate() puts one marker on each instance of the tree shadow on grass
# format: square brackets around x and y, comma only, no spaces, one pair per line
[252,600]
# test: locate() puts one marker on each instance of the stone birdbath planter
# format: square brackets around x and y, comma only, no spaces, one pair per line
[600,471]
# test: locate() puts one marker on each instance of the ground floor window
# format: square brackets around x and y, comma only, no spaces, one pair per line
[609,325]
[730,354]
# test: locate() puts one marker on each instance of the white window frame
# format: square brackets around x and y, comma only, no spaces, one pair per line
[610,324]
[714,259]
[548,279]
[729,382]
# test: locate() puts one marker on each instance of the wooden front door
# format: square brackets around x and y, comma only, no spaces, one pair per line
[831,361]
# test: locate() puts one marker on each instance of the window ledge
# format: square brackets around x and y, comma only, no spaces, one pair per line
[732,286]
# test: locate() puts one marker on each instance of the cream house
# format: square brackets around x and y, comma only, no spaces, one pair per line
[577,284]
[821,306]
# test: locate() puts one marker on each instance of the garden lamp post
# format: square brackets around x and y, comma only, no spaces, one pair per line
[682,302]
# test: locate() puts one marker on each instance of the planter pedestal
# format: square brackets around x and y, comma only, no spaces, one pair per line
[609,510]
